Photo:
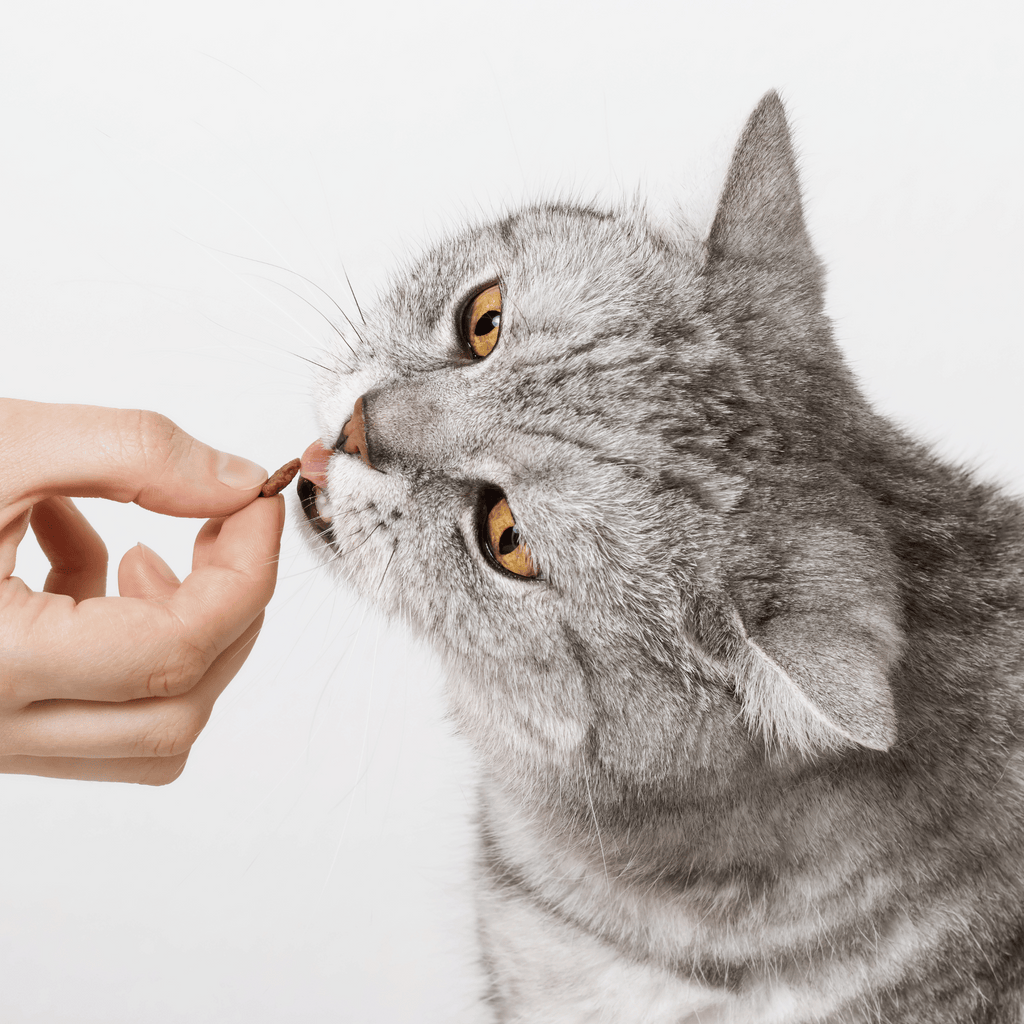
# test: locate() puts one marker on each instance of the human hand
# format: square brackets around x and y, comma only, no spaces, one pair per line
[118,688]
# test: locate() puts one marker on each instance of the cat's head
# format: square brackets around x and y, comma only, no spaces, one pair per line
[603,470]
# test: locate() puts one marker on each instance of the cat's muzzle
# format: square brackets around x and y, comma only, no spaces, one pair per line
[312,486]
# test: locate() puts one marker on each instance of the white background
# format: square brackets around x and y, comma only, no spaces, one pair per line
[310,864]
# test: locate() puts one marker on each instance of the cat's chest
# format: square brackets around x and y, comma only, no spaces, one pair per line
[544,968]
[567,942]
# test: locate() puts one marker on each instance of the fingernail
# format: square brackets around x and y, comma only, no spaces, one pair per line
[240,473]
[157,564]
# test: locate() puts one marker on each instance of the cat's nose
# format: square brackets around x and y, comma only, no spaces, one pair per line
[353,434]
[412,424]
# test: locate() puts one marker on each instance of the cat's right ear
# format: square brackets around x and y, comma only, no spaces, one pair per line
[805,683]
[760,215]
[834,689]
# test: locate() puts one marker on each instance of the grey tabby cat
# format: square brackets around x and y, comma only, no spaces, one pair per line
[742,663]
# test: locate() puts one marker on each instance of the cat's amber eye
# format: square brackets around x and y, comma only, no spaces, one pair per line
[481,321]
[503,541]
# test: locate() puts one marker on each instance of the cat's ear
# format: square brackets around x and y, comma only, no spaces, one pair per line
[808,685]
[814,674]
[760,215]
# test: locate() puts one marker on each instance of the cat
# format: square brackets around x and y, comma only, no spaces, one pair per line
[741,662]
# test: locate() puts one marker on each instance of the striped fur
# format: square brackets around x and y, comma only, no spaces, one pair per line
[751,746]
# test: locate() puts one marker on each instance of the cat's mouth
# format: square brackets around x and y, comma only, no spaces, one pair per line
[313,500]
[312,487]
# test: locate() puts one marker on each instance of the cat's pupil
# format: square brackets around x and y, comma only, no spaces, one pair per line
[487,323]
[508,541]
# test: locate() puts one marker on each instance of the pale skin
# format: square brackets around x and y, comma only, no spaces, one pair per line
[118,688]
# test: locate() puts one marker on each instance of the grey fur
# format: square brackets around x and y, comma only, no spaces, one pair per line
[750,746]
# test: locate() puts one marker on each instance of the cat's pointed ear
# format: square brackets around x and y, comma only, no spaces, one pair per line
[760,215]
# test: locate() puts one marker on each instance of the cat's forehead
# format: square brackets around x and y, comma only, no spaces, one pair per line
[546,257]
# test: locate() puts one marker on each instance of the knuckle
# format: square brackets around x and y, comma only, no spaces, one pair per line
[178,728]
[184,665]
[147,436]
[160,771]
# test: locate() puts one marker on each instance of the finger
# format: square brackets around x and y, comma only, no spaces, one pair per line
[230,555]
[123,454]
[206,540]
[206,550]
[154,727]
[77,555]
[143,573]
[12,531]
[124,648]
[149,771]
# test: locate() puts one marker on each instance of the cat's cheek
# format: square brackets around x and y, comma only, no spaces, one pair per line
[514,719]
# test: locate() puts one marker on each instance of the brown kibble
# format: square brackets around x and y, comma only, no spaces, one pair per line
[281,479]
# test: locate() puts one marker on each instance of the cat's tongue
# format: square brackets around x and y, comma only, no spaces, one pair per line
[314,463]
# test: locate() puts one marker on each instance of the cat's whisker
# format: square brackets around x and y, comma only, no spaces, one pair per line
[360,770]
[330,323]
[313,362]
[349,551]
[362,340]
[270,186]
[315,725]
[387,566]
[352,292]
[517,308]
[267,344]
[323,291]
[265,297]
[597,824]
[261,341]
[215,196]
[164,289]
[334,236]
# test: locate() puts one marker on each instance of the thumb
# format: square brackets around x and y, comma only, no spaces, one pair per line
[121,454]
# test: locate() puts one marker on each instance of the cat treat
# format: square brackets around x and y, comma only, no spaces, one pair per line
[278,481]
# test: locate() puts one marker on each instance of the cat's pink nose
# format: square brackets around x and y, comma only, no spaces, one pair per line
[354,433]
